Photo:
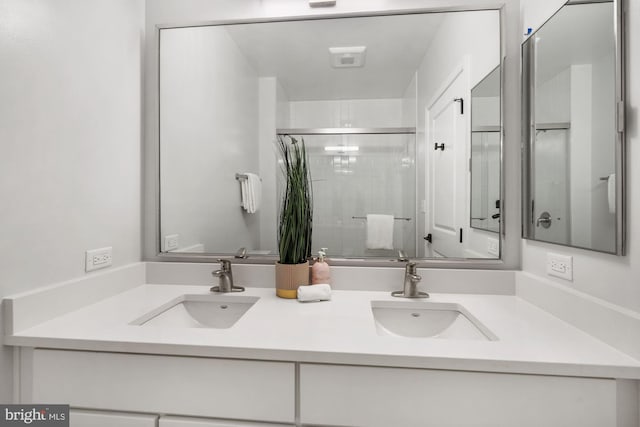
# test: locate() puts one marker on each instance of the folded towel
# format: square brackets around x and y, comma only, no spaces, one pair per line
[251,192]
[611,192]
[244,194]
[255,191]
[379,231]
[320,292]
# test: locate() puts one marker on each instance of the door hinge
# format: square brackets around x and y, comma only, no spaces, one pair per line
[461,101]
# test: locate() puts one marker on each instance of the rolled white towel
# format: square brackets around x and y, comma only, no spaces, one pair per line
[320,292]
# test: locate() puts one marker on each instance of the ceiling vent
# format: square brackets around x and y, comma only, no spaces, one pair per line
[345,57]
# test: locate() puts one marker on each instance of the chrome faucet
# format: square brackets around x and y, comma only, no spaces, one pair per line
[411,280]
[402,257]
[225,278]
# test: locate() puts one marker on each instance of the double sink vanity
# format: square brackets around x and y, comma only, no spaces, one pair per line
[441,320]
[131,344]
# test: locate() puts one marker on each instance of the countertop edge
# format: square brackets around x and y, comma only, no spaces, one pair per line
[333,358]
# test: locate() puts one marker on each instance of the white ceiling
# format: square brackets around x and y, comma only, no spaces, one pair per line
[577,34]
[489,86]
[297,53]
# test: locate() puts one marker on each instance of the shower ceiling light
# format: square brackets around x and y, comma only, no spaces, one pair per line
[341,148]
[322,3]
[347,57]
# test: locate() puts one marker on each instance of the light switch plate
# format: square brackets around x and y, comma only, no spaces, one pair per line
[560,266]
[98,258]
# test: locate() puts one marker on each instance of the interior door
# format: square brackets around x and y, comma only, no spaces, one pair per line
[448,177]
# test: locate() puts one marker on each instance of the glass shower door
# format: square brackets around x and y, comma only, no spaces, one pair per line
[354,175]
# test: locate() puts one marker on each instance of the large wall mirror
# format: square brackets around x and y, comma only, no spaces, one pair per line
[574,164]
[384,105]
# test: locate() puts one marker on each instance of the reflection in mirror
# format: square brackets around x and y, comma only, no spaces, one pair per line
[370,105]
[348,170]
[574,144]
[485,153]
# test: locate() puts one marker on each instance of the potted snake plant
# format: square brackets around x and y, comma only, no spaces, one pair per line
[295,218]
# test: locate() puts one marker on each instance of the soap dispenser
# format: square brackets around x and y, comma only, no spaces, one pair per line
[320,270]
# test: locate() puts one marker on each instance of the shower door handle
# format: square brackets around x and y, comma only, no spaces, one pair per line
[544,220]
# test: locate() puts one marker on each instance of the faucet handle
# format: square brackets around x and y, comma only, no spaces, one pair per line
[411,267]
[242,253]
[225,264]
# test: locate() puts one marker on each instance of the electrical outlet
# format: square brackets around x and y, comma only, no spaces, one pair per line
[560,266]
[493,247]
[171,242]
[98,258]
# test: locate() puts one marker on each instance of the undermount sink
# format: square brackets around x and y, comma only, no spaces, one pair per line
[428,320]
[198,311]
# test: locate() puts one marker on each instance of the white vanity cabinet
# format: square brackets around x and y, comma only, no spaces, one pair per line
[210,392]
[190,386]
[81,418]
[202,422]
[333,395]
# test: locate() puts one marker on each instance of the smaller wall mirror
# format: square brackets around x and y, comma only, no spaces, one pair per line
[574,131]
[485,153]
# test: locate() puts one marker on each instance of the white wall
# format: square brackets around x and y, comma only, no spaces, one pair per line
[611,278]
[70,127]
[355,113]
[204,138]
[273,114]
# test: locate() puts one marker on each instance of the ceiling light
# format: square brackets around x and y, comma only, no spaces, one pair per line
[341,148]
[322,3]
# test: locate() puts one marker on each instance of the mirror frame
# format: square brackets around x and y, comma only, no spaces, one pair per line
[458,263]
[528,128]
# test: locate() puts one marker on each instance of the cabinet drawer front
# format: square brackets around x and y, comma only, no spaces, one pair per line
[78,418]
[220,388]
[367,396]
[201,422]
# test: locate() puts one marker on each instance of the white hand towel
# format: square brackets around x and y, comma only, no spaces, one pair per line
[244,194]
[379,231]
[255,191]
[251,192]
[611,192]
[321,292]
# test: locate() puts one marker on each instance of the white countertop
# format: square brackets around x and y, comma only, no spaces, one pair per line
[341,331]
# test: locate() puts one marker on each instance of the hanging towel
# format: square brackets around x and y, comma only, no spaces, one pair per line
[611,192]
[255,191]
[379,231]
[244,194]
[251,192]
